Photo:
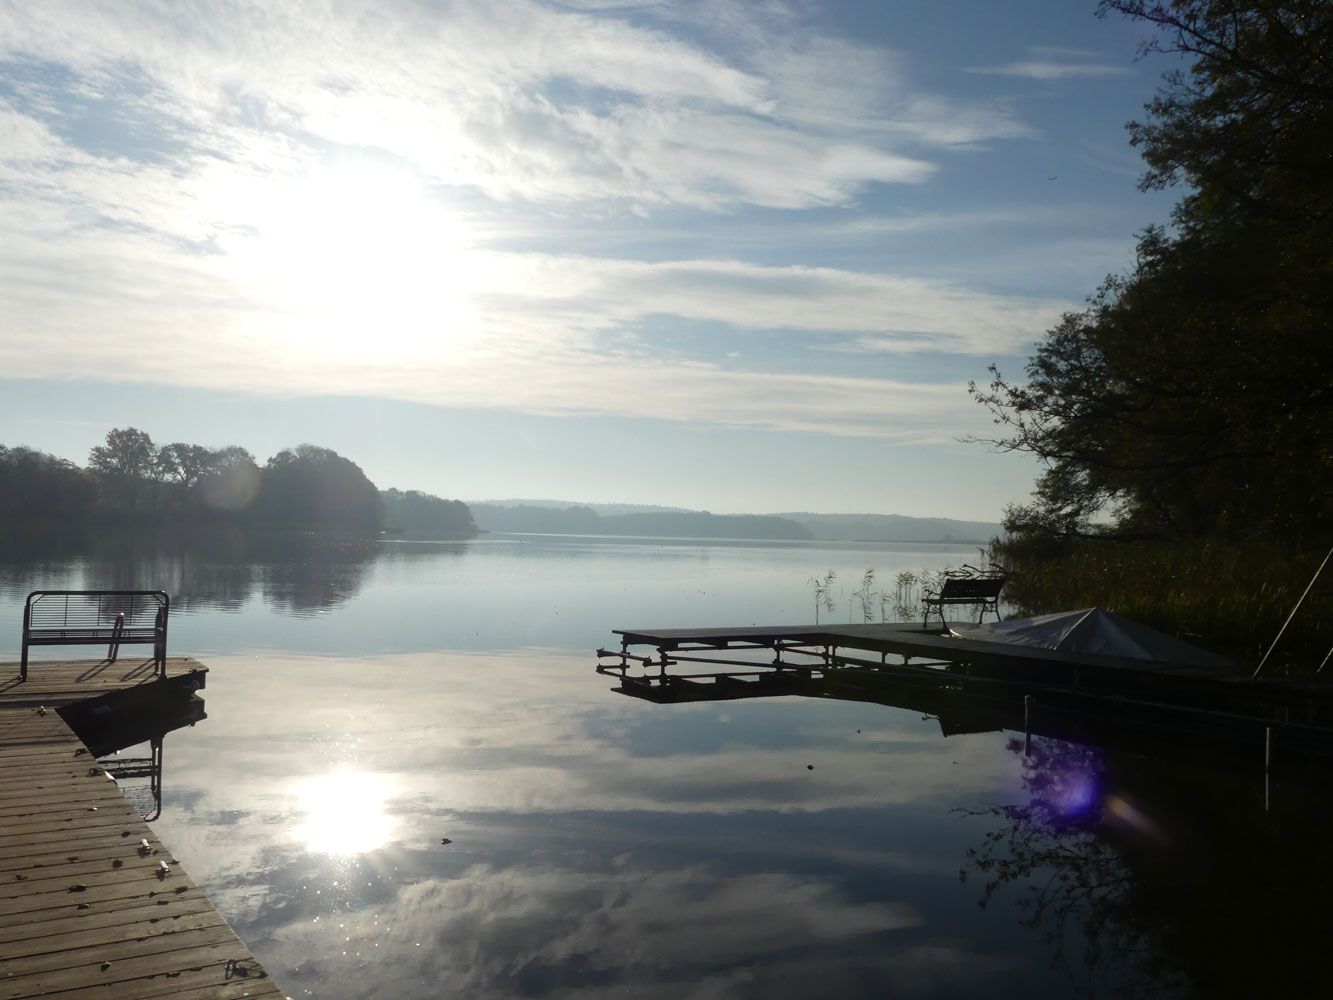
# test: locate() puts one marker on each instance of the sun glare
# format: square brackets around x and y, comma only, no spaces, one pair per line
[344,813]
[362,262]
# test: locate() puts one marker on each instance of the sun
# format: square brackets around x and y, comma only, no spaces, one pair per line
[344,813]
[360,261]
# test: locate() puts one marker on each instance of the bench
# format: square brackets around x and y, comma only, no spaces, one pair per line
[97,617]
[977,591]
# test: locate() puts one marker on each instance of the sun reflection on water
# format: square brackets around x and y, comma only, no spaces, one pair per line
[344,813]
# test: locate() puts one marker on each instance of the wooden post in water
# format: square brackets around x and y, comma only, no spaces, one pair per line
[1268,764]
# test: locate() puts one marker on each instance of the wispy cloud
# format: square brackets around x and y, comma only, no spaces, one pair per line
[521,100]
[293,200]
[1056,63]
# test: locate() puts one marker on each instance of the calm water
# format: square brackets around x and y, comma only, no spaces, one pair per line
[368,702]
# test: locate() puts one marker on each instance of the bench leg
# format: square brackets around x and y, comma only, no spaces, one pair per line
[23,664]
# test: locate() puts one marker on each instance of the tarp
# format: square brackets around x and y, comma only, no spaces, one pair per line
[1091,630]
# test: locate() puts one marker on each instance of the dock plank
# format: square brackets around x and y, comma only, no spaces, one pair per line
[85,910]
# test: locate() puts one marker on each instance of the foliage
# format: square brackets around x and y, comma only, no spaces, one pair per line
[1228,597]
[902,603]
[181,486]
[823,591]
[1192,398]
[35,487]
[128,453]
[318,489]
[865,596]
[423,515]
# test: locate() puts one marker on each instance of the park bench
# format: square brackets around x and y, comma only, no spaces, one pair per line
[976,591]
[96,617]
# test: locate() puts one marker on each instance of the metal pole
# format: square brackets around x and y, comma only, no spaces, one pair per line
[1308,588]
[1027,724]
[1327,656]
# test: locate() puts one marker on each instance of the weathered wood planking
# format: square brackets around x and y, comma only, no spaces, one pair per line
[56,683]
[86,909]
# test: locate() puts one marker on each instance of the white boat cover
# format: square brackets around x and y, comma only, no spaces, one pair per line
[1091,630]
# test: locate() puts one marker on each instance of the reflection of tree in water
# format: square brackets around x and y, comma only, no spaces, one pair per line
[1073,882]
[221,568]
[304,573]
[1153,878]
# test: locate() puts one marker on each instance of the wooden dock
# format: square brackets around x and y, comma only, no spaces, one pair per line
[755,661]
[92,904]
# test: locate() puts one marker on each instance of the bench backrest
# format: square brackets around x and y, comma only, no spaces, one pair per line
[95,610]
[985,588]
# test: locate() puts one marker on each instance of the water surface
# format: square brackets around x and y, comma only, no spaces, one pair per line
[413,784]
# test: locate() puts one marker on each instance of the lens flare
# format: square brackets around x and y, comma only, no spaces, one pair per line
[1121,813]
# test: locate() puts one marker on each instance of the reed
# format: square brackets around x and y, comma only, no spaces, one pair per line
[1229,597]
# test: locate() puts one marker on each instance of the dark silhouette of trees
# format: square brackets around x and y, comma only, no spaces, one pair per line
[127,470]
[1193,397]
[229,484]
[183,487]
[666,524]
[36,487]
[317,489]
[128,453]
[423,515]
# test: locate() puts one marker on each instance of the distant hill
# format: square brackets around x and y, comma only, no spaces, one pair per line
[893,528]
[583,520]
[600,508]
[566,518]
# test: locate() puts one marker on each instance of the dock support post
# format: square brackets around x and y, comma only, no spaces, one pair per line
[1268,765]
[1027,724]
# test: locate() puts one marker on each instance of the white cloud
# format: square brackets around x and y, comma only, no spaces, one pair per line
[536,332]
[267,199]
[1042,69]
[523,100]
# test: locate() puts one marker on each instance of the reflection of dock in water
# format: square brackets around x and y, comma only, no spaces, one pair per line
[88,896]
[973,686]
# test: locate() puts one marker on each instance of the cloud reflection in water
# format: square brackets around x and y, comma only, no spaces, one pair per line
[600,845]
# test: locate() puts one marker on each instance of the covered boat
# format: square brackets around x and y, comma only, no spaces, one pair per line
[1091,630]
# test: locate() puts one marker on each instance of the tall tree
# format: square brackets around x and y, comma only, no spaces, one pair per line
[316,488]
[184,464]
[37,488]
[127,452]
[127,465]
[1193,397]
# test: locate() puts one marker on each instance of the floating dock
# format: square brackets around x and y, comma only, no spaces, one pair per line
[92,904]
[898,663]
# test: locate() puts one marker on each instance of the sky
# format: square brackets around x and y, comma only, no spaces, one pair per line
[741,255]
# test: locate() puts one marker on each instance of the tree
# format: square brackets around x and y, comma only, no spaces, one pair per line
[424,515]
[230,482]
[184,464]
[128,453]
[1193,397]
[315,488]
[37,488]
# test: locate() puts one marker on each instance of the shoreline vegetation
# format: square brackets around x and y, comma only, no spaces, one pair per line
[1184,418]
[181,491]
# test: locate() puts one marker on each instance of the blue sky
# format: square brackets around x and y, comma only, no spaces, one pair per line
[742,256]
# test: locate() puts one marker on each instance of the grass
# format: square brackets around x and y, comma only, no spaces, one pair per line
[1227,597]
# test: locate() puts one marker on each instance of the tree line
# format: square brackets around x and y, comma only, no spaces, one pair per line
[130,479]
[1189,407]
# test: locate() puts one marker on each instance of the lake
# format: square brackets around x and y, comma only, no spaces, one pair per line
[413,783]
